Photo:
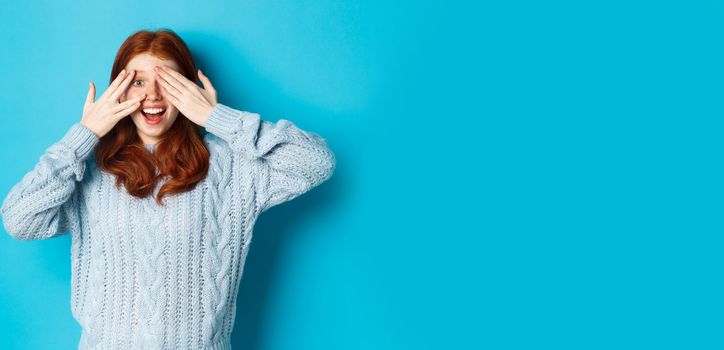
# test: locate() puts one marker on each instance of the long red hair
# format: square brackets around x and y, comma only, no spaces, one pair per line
[180,156]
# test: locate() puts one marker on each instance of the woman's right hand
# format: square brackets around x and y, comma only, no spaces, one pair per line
[102,115]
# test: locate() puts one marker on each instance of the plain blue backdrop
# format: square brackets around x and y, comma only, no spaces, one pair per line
[511,175]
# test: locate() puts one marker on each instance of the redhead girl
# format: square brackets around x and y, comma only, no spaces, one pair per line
[159,186]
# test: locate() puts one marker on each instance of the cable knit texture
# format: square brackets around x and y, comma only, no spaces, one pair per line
[164,277]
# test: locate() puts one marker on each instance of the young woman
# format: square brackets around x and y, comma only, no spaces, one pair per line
[160,187]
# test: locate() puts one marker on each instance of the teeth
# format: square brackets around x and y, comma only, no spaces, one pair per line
[153,110]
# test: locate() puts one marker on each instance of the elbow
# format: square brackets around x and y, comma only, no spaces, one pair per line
[324,163]
[327,160]
[329,165]
[20,227]
[15,229]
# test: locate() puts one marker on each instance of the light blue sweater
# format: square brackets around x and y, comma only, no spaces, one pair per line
[164,277]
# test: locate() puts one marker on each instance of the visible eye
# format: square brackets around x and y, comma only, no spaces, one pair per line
[134,82]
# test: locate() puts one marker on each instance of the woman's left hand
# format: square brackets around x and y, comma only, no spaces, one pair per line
[192,101]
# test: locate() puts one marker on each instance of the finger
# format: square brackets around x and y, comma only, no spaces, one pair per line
[179,81]
[126,104]
[127,111]
[122,87]
[170,89]
[174,100]
[209,91]
[172,85]
[128,107]
[91,93]
[205,81]
[167,95]
[113,85]
[124,96]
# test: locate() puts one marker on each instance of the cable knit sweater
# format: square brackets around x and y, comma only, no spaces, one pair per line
[146,276]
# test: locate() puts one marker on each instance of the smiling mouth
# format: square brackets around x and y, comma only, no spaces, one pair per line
[153,116]
[152,113]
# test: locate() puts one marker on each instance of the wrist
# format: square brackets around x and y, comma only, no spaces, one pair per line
[89,128]
[205,118]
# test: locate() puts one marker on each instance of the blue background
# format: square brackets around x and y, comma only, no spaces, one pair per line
[511,175]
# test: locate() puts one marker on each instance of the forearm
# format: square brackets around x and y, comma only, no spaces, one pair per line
[289,160]
[33,208]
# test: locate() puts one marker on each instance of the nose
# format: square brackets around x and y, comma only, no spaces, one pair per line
[153,90]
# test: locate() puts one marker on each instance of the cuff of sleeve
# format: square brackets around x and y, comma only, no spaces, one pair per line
[223,121]
[80,140]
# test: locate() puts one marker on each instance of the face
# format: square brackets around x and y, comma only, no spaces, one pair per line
[150,127]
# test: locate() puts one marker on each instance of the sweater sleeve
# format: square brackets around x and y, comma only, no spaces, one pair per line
[288,161]
[44,203]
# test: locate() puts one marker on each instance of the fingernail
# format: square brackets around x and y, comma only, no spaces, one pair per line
[123,71]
